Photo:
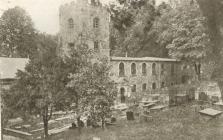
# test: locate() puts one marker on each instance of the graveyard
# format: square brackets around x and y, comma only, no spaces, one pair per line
[180,122]
[194,120]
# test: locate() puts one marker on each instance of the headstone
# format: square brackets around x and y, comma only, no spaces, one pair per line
[73,126]
[18,127]
[88,121]
[96,138]
[129,115]
[113,119]
[80,123]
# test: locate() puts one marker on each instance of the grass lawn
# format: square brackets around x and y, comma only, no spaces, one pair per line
[177,123]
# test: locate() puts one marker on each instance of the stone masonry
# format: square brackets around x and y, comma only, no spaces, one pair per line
[88,21]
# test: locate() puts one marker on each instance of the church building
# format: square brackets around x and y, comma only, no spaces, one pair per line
[89,21]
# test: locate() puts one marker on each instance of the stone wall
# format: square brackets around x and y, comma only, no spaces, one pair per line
[128,80]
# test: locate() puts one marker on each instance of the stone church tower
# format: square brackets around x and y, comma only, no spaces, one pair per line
[84,21]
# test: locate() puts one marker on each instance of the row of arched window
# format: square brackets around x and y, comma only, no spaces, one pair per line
[133,69]
[144,69]
[144,86]
[95,23]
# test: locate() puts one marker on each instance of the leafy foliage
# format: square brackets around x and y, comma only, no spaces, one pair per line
[17,34]
[184,31]
[41,86]
[211,9]
[96,90]
[133,31]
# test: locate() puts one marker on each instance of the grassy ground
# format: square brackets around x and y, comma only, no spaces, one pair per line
[177,123]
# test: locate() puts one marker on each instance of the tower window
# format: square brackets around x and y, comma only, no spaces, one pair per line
[154,86]
[134,88]
[71,45]
[93,2]
[144,69]
[133,69]
[144,87]
[153,69]
[162,85]
[121,69]
[71,23]
[96,46]
[96,22]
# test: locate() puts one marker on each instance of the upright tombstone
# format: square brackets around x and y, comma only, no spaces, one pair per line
[130,115]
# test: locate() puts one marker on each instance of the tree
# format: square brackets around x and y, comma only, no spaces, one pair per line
[17,34]
[141,37]
[133,29]
[212,10]
[96,90]
[41,87]
[122,17]
[184,32]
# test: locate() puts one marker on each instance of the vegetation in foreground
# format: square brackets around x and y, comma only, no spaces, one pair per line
[177,123]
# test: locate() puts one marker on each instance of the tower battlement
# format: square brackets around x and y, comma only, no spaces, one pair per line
[77,3]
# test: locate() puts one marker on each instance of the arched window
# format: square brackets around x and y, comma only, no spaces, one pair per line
[172,69]
[134,88]
[96,45]
[71,23]
[162,69]
[162,84]
[153,69]
[96,22]
[184,79]
[183,67]
[122,93]
[71,45]
[144,87]
[144,69]
[154,86]
[133,69]
[121,69]
[93,2]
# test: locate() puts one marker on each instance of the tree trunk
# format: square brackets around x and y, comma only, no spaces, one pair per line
[46,118]
[78,115]
[197,67]
[220,84]
[45,122]
[103,122]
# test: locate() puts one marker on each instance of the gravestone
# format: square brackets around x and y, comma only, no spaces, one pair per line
[130,115]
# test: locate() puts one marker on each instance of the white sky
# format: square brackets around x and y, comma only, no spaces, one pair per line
[44,13]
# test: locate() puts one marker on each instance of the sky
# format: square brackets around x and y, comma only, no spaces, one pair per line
[44,13]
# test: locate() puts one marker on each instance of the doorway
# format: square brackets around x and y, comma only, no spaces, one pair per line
[122,92]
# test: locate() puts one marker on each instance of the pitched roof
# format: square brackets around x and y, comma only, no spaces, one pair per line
[155,59]
[9,66]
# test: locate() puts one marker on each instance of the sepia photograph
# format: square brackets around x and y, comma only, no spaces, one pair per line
[111,69]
